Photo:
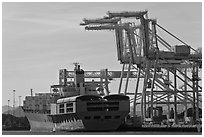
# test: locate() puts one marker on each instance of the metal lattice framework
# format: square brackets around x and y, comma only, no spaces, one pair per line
[139,47]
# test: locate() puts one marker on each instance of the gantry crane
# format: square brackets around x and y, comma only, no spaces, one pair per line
[161,65]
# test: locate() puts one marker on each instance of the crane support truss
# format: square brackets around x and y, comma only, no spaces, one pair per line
[160,64]
[98,74]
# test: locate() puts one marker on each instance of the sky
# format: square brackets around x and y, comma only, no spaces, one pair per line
[38,39]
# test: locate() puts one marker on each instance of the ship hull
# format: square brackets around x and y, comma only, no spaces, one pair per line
[47,123]
[103,121]
[74,122]
[39,122]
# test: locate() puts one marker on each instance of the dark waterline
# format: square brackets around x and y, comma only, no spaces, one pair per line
[99,133]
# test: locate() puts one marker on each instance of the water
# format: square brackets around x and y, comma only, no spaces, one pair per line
[99,133]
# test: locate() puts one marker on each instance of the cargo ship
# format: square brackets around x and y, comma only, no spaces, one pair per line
[76,105]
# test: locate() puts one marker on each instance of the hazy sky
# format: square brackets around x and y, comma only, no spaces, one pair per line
[41,38]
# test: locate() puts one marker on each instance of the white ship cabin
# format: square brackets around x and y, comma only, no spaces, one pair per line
[90,103]
[64,106]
